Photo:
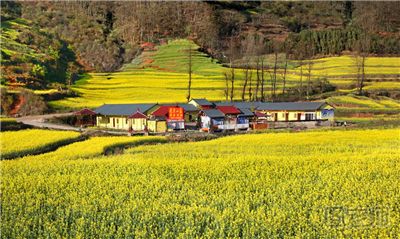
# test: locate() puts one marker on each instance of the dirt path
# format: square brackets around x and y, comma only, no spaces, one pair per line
[40,121]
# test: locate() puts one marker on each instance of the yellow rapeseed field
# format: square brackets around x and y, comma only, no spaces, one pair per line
[23,142]
[161,76]
[317,184]
[95,146]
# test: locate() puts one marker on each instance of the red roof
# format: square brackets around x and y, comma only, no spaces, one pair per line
[162,111]
[259,114]
[85,111]
[138,115]
[229,109]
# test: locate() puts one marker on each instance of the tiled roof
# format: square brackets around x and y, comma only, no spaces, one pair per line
[203,102]
[291,106]
[246,112]
[229,109]
[85,111]
[214,113]
[185,106]
[138,115]
[122,109]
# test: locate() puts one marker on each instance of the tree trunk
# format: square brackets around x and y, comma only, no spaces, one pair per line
[258,79]
[262,81]
[284,76]
[226,91]
[189,71]
[250,86]
[246,77]
[274,80]
[232,82]
[360,90]
[309,78]
[301,80]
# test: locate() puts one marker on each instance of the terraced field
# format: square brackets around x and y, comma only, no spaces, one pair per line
[246,186]
[25,142]
[161,76]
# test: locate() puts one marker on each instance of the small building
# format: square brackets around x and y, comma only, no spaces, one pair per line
[260,121]
[201,104]
[297,111]
[212,120]
[156,126]
[244,118]
[173,115]
[231,116]
[85,117]
[137,121]
[123,116]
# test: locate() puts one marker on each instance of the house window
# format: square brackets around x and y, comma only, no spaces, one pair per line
[309,116]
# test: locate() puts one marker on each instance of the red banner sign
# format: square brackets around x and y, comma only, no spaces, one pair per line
[175,113]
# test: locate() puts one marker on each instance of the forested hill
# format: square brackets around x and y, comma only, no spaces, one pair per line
[101,36]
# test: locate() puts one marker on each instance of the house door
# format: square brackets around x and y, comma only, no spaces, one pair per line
[276,116]
[114,122]
[298,116]
[287,116]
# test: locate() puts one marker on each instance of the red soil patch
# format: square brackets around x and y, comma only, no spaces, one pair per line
[17,105]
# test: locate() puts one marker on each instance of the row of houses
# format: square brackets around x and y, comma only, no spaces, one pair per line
[207,116]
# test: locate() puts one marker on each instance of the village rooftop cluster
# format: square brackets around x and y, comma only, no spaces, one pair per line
[201,114]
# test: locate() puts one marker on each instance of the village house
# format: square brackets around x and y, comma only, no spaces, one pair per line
[297,111]
[212,120]
[244,118]
[123,116]
[208,116]
[231,116]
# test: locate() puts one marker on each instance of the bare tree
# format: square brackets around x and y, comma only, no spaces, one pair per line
[189,71]
[232,83]
[258,82]
[301,79]
[262,80]
[250,85]
[226,90]
[309,69]
[246,79]
[274,80]
[362,47]
[284,74]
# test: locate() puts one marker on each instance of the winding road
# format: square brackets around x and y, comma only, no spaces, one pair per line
[40,121]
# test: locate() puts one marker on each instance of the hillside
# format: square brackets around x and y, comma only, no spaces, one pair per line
[160,75]
[33,58]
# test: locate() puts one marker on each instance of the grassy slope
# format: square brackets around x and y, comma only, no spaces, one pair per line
[161,76]
[248,186]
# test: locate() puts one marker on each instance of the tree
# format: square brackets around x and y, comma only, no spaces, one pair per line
[250,86]
[309,69]
[262,80]
[232,83]
[284,74]
[226,90]
[189,71]
[246,79]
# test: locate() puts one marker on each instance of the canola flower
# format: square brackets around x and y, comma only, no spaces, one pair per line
[274,185]
[24,142]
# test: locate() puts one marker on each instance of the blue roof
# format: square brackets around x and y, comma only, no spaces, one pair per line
[122,109]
